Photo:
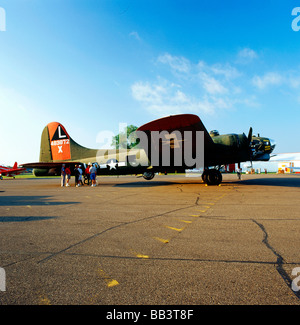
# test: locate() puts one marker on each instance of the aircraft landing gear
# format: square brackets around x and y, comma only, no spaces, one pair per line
[212,177]
[148,175]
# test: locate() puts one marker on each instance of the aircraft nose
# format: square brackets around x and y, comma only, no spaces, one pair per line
[272,144]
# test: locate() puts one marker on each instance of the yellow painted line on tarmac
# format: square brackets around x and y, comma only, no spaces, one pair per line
[186,221]
[109,281]
[176,229]
[112,283]
[142,256]
[43,300]
[164,241]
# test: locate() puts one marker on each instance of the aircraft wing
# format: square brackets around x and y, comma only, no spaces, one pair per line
[176,126]
[45,165]
[182,122]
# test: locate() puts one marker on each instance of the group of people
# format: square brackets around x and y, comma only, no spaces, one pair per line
[90,173]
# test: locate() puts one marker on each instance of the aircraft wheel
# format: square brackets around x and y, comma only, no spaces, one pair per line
[204,176]
[214,177]
[148,175]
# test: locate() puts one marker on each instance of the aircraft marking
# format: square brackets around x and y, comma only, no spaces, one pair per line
[59,133]
[112,165]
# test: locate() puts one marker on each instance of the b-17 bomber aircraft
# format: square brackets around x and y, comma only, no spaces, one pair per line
[169,144]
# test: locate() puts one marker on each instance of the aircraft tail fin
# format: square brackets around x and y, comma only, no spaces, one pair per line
[57,145]
[15,165]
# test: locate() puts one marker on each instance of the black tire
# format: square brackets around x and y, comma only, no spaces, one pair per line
[204,176]
[148,175]
[214,177]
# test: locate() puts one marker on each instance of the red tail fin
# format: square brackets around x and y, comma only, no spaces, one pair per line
[15,165]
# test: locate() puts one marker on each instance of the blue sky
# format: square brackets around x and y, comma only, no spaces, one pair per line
[92,64]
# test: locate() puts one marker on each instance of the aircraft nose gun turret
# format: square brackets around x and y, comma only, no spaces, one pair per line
[261,148]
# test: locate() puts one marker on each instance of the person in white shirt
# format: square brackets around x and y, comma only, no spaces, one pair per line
[80,176]
[93,172]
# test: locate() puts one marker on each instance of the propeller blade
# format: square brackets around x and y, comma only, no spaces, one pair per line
[250,135]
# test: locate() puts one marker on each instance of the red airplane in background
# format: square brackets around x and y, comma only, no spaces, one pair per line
[11,172]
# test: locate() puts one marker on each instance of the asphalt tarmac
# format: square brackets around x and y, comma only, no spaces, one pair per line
[168,241]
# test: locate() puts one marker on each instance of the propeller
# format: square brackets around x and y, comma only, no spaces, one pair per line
[249,138]
[249,135]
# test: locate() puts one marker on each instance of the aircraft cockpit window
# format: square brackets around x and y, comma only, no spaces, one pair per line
[214,133]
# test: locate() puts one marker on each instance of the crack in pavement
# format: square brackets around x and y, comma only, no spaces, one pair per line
[280,260]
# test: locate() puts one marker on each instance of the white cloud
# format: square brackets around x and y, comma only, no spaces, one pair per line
[199,88]
[294,80]
[219,70]
[211,85]
[178,64]
[246,55]
[268,79]
[167,99]
[146,93]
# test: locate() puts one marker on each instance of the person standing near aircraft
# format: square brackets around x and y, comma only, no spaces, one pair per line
[68,175]
[87,173]
[63,175]
[76,172]
[93,171]
[238,172]
[80,183]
